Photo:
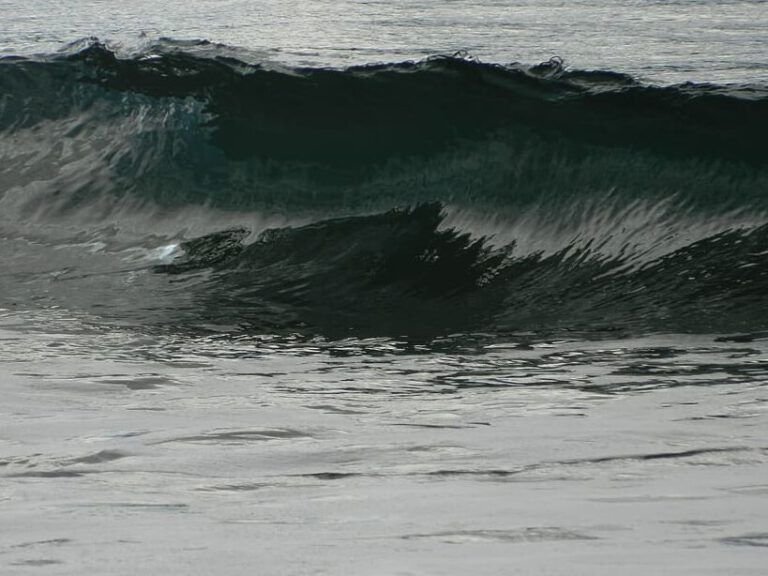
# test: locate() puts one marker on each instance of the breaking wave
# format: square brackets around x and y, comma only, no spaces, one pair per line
[416,199]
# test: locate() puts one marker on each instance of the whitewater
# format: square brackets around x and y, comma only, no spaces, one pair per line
[383,288]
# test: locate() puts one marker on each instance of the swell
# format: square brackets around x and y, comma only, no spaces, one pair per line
[400,273]
[419,198]
[175,128]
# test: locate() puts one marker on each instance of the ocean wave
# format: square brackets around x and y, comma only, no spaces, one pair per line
[441,195]
[401,273]
[173,126]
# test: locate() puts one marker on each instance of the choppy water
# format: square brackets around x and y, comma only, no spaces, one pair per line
[383,288]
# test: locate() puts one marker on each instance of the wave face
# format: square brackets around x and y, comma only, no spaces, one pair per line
[416,199]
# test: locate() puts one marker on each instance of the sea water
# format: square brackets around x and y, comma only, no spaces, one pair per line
[383,288]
